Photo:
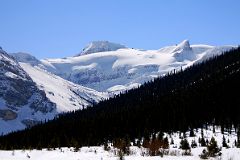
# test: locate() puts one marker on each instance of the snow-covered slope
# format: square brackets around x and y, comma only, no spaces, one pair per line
[21,102]
[29,94]
[26,58]
[125,68]
[67,95]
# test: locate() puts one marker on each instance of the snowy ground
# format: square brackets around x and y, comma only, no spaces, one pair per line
[98,153]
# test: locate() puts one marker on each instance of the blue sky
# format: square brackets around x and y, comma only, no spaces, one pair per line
[59,28]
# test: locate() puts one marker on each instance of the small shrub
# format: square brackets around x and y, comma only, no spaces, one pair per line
[194,144]
[184,145]
[204,154]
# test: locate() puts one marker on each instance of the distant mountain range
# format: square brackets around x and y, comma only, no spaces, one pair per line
[33,90]
[115,68]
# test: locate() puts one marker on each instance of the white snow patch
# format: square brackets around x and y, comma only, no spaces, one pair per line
[67,95]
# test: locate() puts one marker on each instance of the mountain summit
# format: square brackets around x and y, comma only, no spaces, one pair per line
[183,51]
[100,46]
[184,45]
[26,58]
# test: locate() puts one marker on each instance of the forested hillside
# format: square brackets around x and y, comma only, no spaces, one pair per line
[206,93]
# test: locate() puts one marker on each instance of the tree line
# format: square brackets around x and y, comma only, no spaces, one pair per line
[202,94]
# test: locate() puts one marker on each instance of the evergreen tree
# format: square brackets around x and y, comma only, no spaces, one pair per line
[160,136]
[204,154]
[238,137]
[214,129]
[202,134]
[165,143]
[172,141]
[207,142]
[222,129]
[235,143]
[224,144]
[194,144]
[213,148]
[138,143]
[105,146]
[184,145]
[202,142]
[192,133]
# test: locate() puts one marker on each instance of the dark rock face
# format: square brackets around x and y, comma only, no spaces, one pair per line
[13,82]
[18,89]
[41,103]
[7,114]
[21,100]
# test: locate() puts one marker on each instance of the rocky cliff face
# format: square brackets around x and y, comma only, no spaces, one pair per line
[18,92]
[30,94]
[18,89]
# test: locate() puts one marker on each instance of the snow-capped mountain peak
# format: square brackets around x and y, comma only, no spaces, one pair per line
[100,46]
[119,70]
[183,51]
[26,58]
[2,52]
[184,45]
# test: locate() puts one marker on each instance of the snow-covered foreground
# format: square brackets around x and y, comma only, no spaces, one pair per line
[98,153]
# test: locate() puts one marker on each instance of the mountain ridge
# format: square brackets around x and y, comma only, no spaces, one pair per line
[100,46]
[29,94]
[123,69]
